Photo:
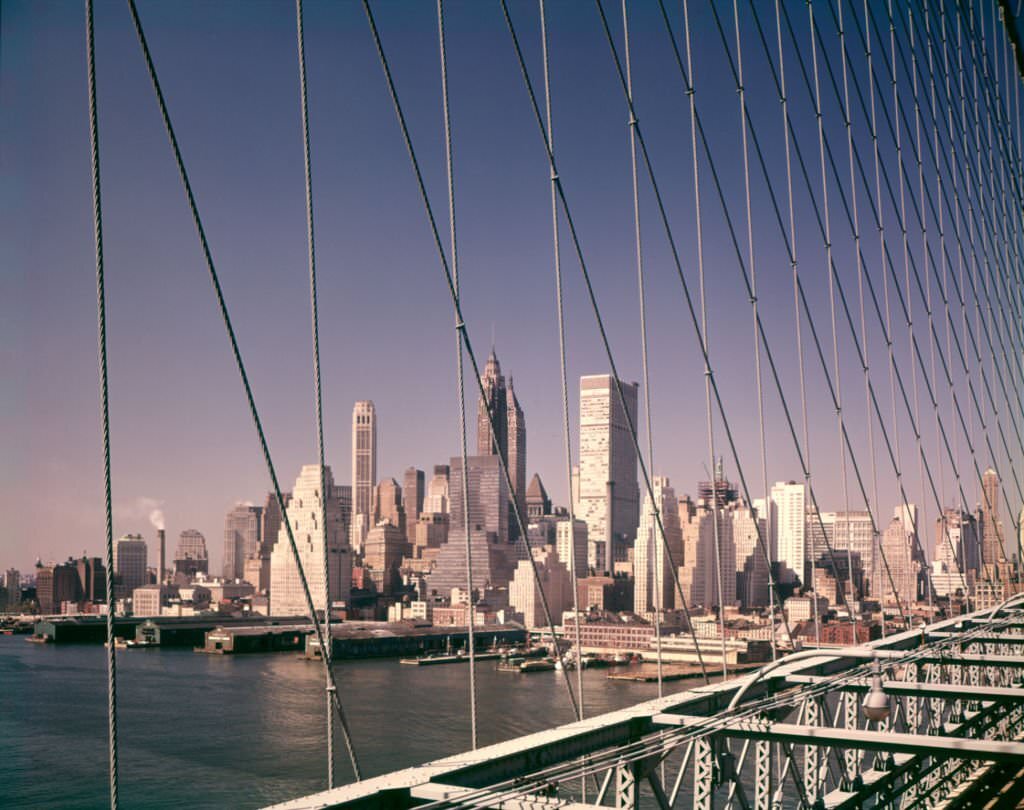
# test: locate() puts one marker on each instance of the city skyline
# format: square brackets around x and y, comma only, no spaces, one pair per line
[259,244]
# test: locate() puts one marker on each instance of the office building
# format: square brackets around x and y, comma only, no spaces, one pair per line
[706,564]
[501,431]
[436,499]
[92,579]
[488,496]
[388,506]
[571,545]
[552,578]
[311,538]
[412,497]
[992,550]
[653,563]
[130,560]
[12,586]
[55,585]
[749,532]
[242,538]
[190,556]
[383,549]
[605,487]
[789,505]
[364,465]
[897,581]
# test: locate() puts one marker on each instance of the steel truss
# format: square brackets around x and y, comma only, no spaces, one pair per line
[797,738]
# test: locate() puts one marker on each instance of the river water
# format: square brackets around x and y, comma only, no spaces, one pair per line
[209,731]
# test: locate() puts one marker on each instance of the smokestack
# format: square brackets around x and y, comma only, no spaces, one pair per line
[163,550]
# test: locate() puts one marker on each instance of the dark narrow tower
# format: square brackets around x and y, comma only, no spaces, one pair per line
[516,450]
[163,556]
[492,410]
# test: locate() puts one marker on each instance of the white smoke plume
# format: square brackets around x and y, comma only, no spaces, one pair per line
[156,517]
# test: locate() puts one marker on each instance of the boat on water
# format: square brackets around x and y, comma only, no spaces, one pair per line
[537,665]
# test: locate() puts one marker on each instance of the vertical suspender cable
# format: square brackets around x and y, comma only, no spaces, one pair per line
[240,365]
[756,319]
[595,308]
[453,247]
[925,252]
[327,651]
[860,292]
[783,98]
[657,581]
[101,307]
[704,333]
[883,252]
[456,304]
[573,573]
[832,303]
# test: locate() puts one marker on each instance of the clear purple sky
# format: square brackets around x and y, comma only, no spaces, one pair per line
[180,429]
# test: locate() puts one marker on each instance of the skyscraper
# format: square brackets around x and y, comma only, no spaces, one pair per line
[388,505]
[652,571]
[992,551]
[703,559]
[517,453]
[242,538]
[304,514]
[492,555]
[412,497]
[752,581]
[436,500]
[501,430]
[900,576]
[607,495]
[364,465]
[92,579]
[789,501]
[492,408]
[190,557]
[130,558]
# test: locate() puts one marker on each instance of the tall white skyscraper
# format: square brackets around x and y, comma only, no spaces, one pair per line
[790,514]
[652,570]
[304,514]
[364,467]
[606,491]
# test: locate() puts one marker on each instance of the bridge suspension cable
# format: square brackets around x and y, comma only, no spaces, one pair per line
[236,352]
[101,322]
[563,378]
[459,381]
[461,326]
[327,651]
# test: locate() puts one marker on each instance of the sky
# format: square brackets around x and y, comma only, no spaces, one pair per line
[181,436]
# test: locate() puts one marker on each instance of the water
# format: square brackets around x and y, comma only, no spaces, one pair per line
[210,731]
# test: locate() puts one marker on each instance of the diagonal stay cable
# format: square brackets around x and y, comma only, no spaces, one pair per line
[326,652]
[741,265]
[691,306]
[631,427]
[460,383]
[461,326]
[236,352]
[656,580]
[600,323]
[101,318]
